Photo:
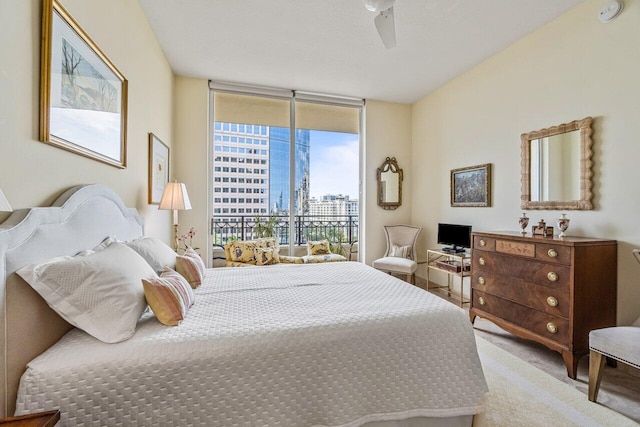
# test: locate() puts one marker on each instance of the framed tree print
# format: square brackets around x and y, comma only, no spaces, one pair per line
[83,96]
[158,168]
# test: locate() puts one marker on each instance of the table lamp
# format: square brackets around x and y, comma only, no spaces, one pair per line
[175,198]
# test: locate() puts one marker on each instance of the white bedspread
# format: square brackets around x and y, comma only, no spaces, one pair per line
[335,344]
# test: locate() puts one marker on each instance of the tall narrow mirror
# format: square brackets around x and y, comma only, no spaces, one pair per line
[556,167]
[389,184]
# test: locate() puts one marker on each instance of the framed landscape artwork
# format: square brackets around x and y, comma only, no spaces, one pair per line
[158,168]
[471,186]
[83,96]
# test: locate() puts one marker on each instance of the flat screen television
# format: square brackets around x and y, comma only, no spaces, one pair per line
[457,237]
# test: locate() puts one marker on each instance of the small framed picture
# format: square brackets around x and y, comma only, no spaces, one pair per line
[158,168]
[471,186]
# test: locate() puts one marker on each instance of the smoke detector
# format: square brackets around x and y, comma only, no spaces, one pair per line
[610,11]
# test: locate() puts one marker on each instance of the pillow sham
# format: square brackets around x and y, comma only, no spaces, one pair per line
[169,296]
[99,292]
[320,247]
[155,252]
[400,251]
[191,266]
[267,256]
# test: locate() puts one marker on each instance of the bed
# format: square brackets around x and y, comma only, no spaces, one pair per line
[336,344]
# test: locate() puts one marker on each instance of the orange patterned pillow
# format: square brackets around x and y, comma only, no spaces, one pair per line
[169,296]
[191,266]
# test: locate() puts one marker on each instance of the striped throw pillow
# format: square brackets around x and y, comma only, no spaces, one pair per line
[191,267]
[186,292]
[400,251]
[169,297]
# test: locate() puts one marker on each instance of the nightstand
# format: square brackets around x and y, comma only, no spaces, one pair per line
[39,419]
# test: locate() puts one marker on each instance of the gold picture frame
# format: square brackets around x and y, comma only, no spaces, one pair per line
[471,186]
[83,96]
[158,168]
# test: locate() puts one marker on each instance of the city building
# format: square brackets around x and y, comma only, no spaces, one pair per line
[333,205]
[241,169]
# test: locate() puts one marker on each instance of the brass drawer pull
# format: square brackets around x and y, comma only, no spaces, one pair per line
[482,242]
[552,276]
[482,301]
[551,327]
[552,253]
[552,301]
[481,280]
[481,261]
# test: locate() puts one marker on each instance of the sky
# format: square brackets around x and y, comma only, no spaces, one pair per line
[334,163]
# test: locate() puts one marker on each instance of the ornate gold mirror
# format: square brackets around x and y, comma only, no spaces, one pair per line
[557,167]
[389,184]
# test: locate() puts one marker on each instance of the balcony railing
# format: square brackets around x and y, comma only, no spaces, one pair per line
[335,228]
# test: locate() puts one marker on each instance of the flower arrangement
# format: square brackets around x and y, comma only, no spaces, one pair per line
[184,241]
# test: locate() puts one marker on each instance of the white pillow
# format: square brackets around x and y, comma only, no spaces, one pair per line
[99,292]
[155,252]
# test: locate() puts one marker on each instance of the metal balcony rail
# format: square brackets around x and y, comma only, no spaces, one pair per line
[335,228]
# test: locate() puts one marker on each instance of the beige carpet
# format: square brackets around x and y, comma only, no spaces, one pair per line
[522,395]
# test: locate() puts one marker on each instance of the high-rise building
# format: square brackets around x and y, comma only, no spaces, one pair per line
[279,155]
[251,169]
[241,169]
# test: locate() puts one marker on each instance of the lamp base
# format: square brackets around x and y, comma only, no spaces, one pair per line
[175,237]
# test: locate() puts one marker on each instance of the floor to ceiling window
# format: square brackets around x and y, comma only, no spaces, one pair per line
[263,185]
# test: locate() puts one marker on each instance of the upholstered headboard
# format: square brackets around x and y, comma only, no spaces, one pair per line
[79,219]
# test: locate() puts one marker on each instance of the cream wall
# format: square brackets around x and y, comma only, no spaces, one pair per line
[387,134]
[191,118]
[478,118]
[33,173]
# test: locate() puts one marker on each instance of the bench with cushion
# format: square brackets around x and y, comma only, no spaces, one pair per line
[265,251]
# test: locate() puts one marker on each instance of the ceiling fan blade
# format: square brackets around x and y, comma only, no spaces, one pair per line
[386,27]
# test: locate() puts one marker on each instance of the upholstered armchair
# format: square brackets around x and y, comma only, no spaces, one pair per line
[400,257]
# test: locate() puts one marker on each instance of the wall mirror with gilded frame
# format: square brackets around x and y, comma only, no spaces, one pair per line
[557,167]
[389,184]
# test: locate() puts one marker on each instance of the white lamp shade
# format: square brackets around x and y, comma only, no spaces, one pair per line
[4,204]
[175,197]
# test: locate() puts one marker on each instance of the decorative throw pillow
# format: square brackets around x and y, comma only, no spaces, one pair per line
[242,251]
[320,247]
[400,251]
[99,292]
[191,266]
[169,296]
[155,252]
[267,256]
[316,259]
[187,294]
[266,242]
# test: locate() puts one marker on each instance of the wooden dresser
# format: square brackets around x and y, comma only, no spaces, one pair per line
[550,290]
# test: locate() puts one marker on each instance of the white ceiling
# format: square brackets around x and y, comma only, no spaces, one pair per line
[332,46]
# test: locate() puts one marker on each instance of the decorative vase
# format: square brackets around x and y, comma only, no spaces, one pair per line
[563,224]
[524,222]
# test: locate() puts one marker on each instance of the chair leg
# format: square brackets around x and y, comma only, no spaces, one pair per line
[596,362]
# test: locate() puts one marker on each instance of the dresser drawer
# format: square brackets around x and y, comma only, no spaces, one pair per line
[538,322]
[553,253]
[544,298]
[552,275]
[484,243]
